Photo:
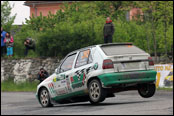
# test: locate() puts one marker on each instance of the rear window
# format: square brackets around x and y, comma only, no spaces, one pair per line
[121,49]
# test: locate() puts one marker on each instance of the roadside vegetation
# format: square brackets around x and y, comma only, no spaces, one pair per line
[165,88]
[81,24]
[9,85]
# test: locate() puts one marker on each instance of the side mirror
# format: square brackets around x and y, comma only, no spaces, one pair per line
[57,71]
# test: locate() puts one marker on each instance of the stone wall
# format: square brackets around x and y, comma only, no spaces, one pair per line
[21,70]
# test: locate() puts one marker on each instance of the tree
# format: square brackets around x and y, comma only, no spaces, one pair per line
[6,19]
[166,17]
[161,16]
[151,9]
[79,25]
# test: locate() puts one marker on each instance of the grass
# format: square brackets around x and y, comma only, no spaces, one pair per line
[32,86]
[31,54]
[165,89]
[25,86]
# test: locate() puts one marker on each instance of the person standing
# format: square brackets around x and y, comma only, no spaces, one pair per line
[9,44]
[108,30]
[3,33]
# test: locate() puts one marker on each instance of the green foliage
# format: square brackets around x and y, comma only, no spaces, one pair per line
[81,24]
[6,19]
[165,89]
[160,15]
[9,86]
[19,39]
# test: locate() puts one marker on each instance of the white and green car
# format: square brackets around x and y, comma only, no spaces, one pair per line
[97,72]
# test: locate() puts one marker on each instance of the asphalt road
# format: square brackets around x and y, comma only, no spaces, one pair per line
[127,103]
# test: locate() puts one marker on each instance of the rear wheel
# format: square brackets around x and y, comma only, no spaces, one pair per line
[45,98]
[146,90]
[96,92]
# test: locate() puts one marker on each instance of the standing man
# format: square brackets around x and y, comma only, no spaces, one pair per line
[108,30]
[3,33]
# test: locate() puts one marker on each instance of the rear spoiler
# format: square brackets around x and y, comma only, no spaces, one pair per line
[113,44]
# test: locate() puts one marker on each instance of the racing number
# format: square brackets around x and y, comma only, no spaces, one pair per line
[85,54]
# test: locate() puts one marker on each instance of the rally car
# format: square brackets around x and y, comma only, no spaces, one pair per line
[97,72]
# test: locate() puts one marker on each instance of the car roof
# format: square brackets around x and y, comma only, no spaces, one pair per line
[81,49]
[111,44]
[101,45]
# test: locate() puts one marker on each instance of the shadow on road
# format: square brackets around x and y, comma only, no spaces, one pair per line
[100,104]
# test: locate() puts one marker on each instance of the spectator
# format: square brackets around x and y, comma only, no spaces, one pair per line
[9,41]
[108,31]
[29,44]
[42,75]
[3,33]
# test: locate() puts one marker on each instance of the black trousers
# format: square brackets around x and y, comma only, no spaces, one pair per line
[28,48]
[108,39]
[3,50]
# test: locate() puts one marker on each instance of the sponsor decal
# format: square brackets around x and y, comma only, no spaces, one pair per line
[72,80]
[62,77]
[95,66]
[68,85]
[164,77]
[84,77]
[61,91]
[55,79]
[51,87]
[77,85]
[85,54]
[78,81]
[80,75]
[63,81]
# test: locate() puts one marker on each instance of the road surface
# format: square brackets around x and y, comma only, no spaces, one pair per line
[125,103]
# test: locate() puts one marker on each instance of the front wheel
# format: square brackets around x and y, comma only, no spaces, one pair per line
[146,90]
[96,92]
[45,98]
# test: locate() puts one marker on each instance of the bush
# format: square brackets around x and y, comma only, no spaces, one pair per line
[59,34]
[9,85]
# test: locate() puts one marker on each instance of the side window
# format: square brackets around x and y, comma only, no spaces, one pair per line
[67,64]
[83,58]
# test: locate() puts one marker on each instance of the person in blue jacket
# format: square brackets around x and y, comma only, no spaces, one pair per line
[3,33]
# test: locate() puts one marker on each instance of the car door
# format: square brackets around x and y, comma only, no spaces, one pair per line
[82,67]
[62,81]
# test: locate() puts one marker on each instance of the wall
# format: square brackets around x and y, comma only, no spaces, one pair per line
[45,9]
[26,69]
[21,70]
[134,12]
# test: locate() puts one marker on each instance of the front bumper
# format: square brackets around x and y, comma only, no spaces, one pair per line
[109,79]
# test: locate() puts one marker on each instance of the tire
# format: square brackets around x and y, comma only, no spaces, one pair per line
[44,98]
[96,92]
[146,90]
